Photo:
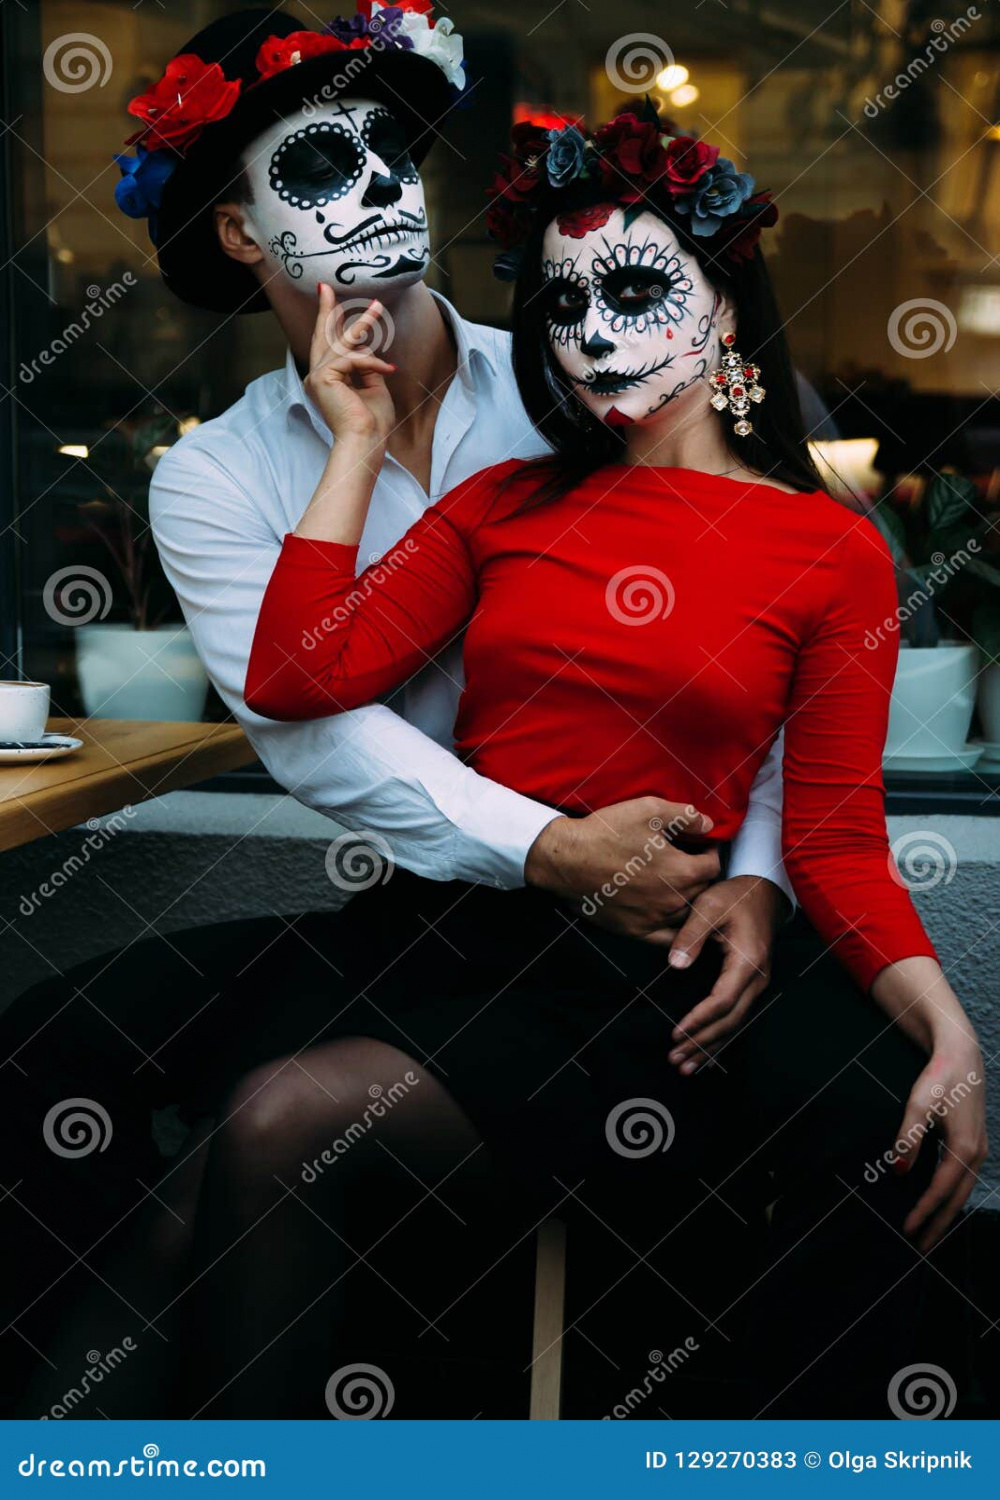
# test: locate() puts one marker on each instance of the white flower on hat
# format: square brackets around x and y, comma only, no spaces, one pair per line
[442,44]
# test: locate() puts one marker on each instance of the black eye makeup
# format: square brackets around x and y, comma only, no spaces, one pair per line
[383,135]
[565,301]
[640,286]
[634,289]
[316,165]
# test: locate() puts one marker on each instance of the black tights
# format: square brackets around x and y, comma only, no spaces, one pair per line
[303,1142]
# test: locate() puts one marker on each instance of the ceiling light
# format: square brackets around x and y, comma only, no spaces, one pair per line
[672,77]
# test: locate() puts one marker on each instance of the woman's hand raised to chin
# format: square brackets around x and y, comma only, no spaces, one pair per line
[346,384]
[346,380]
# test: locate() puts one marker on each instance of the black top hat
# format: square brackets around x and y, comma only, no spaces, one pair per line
[192,262]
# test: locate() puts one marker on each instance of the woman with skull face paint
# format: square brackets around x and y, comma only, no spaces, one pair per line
[753,592]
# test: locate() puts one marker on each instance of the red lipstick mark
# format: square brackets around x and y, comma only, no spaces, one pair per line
[616,418]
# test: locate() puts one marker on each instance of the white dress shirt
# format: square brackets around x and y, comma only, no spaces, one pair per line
[221,501]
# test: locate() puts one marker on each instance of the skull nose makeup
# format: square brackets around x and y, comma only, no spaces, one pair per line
[632,320]
[595,346]
[336,198]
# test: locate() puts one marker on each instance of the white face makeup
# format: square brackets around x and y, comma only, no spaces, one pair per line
[336,198]
[631,318]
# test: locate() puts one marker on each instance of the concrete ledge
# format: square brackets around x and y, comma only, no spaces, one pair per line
[196,857]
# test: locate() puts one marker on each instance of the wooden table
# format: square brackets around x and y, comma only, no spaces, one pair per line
[122,761]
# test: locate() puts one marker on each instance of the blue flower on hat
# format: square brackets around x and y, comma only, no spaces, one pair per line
[721,192]
[139,193]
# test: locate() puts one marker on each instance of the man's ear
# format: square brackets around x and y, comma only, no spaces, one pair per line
[233,237]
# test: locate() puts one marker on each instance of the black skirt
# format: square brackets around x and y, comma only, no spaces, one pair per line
[554,1036]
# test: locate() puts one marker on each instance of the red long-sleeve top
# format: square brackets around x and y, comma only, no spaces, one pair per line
[648,633]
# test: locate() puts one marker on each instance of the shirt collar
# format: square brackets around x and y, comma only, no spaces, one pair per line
[473,347]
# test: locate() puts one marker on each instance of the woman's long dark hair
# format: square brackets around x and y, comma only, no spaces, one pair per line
[582,443]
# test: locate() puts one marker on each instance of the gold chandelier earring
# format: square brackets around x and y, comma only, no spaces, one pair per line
[735,385]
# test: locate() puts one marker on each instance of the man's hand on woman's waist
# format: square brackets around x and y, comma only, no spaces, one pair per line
[620,865]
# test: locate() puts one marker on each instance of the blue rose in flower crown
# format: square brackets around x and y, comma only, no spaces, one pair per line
[721,192]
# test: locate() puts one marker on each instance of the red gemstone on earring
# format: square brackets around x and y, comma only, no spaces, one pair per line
[749,371]
[737,391]
[729,338]
[719,379]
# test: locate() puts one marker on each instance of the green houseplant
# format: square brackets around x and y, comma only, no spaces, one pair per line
[938,540]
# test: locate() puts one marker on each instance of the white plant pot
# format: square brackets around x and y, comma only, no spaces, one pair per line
[140,674]
[989,701]
[932,699]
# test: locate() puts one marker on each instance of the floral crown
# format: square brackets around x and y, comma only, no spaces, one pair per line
[193,94]
[640,164]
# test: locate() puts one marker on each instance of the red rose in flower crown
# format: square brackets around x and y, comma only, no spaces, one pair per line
[279,53]
[687,161]
[190,95]
[584,220]
[630,148]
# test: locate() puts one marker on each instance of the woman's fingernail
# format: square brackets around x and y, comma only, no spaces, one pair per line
[689,1067]
[900,1165]
[679,959]
[676,1057]
[706,823]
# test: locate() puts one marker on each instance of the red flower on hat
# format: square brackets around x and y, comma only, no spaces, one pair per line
[687,161]
[190,95]
[281,52]
[582,221]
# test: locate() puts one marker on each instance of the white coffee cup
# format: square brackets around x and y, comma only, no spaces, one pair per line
[24,710]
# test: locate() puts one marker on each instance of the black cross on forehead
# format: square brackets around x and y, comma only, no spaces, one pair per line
[347,110]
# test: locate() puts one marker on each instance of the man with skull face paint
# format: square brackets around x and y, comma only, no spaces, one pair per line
[270,160]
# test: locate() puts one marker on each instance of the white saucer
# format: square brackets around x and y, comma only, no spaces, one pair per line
[52,747]
[991,754]
[951,760]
